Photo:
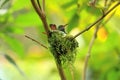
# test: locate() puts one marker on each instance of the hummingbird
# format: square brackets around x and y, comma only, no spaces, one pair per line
[59,28]
[62,28]
[53,27]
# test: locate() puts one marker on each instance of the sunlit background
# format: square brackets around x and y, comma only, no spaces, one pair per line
[34,62]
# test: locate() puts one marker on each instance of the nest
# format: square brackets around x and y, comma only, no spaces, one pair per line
[62,47]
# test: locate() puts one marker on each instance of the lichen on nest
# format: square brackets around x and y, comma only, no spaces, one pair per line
[63,47]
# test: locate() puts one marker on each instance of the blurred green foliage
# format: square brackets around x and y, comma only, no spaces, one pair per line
[18,18]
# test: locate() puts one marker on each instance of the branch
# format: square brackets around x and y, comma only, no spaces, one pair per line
[43,6]
[105,4]
[41,15]
[36,41]
[92,2]
[89,52]
[91,44]
[61,72]
[101,18]
[39,4]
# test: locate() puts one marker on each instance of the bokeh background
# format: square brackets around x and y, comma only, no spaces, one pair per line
[34,62]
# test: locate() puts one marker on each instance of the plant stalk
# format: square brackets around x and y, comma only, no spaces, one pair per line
[61,72]
[101,18]
[41,15]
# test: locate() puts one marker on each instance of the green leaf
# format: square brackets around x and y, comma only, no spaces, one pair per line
[14,44]
[4,3]
[113,75]
[68,4]
[27,19]
[21,4]
[94,11]
[11,29]
[10,59]
[74,22]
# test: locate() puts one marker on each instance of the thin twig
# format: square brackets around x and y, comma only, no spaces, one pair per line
[42,16]
[89,52]
[39,12]
[39,4]
[101,18]
[43,10]
[109,17]
[91,44]
[36,41]
[92,2]
[105,3]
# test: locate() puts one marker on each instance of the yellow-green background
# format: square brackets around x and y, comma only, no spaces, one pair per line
[36,62]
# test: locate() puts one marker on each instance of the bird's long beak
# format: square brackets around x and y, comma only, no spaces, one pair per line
[65,25]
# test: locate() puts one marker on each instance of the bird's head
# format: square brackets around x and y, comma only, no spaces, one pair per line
[62,27]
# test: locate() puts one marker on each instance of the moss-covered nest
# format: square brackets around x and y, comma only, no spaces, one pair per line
[63,47]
